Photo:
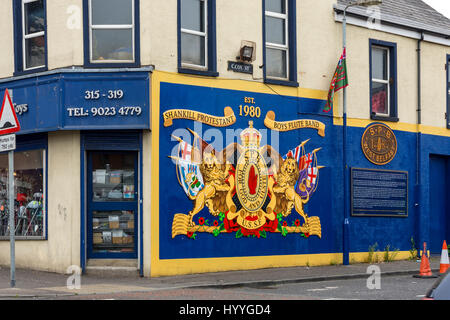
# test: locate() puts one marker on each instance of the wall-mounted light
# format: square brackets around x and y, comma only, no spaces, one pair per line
[247,53]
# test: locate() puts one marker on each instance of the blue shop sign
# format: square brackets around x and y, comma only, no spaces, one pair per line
[81,101]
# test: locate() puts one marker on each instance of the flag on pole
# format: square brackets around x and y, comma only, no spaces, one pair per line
[339,81]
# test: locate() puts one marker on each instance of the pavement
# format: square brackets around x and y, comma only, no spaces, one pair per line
[32,284]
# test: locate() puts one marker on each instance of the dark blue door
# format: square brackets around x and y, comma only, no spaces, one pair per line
[112,204]
[439,202]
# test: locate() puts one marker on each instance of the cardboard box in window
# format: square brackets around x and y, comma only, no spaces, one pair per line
[98,238]
[127,239]
[117,237]
[114,222]
[115,177]
[130,224]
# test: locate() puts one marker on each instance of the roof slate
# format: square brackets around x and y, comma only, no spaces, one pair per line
[412,13]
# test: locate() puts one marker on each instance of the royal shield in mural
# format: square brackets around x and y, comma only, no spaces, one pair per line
[247,189]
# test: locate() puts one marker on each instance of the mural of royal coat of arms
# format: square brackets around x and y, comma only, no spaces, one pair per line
[247,189]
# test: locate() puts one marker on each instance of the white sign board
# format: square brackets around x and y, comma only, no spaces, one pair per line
[7,142]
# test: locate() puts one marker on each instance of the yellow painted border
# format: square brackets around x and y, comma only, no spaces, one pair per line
[239,85]
[398,126]
[166,267]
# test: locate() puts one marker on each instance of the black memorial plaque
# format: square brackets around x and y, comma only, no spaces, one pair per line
[379,192]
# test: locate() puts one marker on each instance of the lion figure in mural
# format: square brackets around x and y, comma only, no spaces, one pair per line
[287,198]
[213,195]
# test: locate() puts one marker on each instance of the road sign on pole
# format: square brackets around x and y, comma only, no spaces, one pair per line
[8,126]
[8,118]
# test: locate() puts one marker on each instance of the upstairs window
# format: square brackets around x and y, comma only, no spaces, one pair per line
[196,37]
[30,36]
[383,80]
[380,81]
[280,42]
[277,47]
[111,32]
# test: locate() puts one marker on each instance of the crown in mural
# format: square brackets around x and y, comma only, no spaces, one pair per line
[250,137]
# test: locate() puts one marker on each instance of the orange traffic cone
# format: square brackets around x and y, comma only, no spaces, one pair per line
[444,259]
[425,270]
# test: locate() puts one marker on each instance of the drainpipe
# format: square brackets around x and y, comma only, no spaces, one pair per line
[345,231]
[419,76]
[417,187]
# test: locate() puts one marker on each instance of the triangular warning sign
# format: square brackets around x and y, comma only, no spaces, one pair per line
[8,117]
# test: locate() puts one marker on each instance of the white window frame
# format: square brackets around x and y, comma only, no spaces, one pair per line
[277,46]
[197,33]
[28,36]
[113,27]
[388,74]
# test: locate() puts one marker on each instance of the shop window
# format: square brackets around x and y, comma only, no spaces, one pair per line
[111,33]
[196,37]
[30,36]
[383,80]
[29,194]
[280,42]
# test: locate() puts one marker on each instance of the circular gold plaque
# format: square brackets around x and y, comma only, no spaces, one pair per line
[251,180]
[379,144]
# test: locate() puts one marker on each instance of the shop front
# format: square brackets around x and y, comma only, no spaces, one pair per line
[78,167]
[174,174]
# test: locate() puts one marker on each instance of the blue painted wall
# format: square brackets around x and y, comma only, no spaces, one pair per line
[431,147]
[173,200]
[326,202]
